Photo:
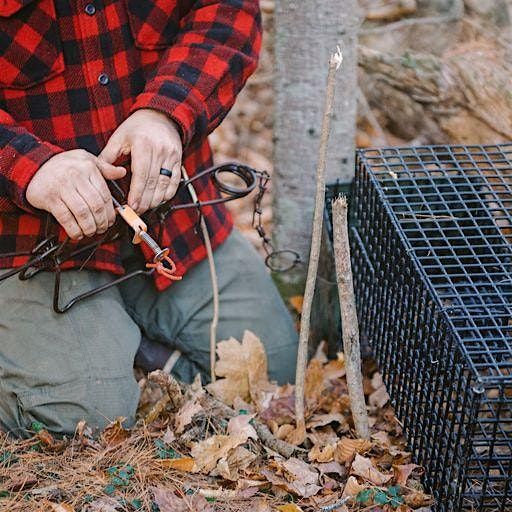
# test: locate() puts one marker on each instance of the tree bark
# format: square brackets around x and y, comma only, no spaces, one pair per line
[306,32]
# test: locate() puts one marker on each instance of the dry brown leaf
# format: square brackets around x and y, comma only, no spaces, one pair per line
[114,433]
[365,468]
[417,499]
[335,369]
[294,475]
[169,436]
[379,398]
[184,416]
[241,426]
[284,431]
[297,301]
[346,448]
[238,460]
[320,420]
[331,467]
[382,438]
[244,368]
[186,464]
[289,507]
[314,385]
[352,487]
[207,453]
[102,505]
[403,472]
[296,436]
[167,501]
[58,507]
[319,454]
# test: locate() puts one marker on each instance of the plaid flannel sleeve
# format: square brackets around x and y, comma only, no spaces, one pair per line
[21,155]
[199,77]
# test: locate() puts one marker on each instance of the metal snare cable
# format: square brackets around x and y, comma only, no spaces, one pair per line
[49,254]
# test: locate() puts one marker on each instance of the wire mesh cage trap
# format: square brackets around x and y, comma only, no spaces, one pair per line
[432,262]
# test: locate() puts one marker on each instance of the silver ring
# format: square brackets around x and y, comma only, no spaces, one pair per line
[166,172]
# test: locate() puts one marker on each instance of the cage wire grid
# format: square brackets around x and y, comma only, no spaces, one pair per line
[432,262]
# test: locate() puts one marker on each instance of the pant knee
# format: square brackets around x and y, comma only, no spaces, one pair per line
[97,402]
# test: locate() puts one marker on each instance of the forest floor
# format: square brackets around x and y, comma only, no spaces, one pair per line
[231,445]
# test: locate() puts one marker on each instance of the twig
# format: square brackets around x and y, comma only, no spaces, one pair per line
[300,376]
[266,437]
[350,327]
[215,284]
[334,506]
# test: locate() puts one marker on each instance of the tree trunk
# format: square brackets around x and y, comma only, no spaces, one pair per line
[306,33]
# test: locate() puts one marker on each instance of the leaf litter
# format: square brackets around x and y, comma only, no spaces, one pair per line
[205,450]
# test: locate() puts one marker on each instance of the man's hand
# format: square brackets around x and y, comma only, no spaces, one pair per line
[153,142]
[71,186]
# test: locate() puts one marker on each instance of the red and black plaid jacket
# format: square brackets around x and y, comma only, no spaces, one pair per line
[72,71]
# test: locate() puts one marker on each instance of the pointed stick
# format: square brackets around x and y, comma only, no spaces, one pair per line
[350,325]
[300,376]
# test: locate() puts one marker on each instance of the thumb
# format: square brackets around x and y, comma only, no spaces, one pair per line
[109,171]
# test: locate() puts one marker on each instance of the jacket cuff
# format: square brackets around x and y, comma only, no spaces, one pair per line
[23,169]
[177,103]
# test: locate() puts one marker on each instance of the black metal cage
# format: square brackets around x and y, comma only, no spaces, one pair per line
[432,263]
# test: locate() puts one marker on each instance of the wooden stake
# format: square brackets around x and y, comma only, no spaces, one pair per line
[350,326]
[302,356]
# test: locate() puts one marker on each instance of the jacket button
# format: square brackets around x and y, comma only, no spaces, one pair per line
[103,79]
[90,9]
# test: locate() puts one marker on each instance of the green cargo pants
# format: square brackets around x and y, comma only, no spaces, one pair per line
[59,369]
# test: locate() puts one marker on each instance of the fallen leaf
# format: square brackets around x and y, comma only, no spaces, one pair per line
[183,464]
[403,472]
[294,475]
[319,454]
[331,468]
[281,410]
[297,301]
[320,420]
[208,452]
[103,505]
[289,507]
[379,398]
[168,501]
[352,487]
[184,416]
[296,436]
[382,438]
[169,436]
[314,385]
[335,369]
[114,433]
[417,499]
[241,426]
[244,368]
[58,507]
[238,460]
[346,448]
[365,468]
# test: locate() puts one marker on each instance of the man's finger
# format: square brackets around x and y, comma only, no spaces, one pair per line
[80,211]
[66,219]
[162,184]
[95,203]
[109,171]
[174,182]
[113,150]
[101,187]
[141,168]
